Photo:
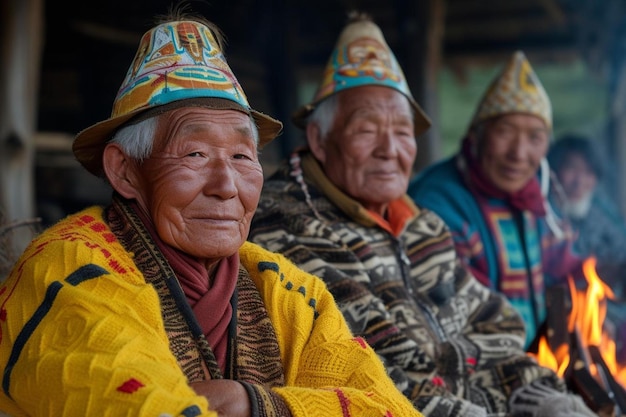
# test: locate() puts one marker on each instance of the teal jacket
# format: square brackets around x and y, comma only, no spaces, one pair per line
[508,250]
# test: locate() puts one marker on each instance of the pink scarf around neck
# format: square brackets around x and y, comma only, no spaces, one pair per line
[527,198]
[209,299]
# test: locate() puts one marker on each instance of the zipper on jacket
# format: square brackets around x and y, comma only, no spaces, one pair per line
[419,300]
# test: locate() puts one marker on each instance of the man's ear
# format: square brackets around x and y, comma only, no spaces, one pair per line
[316,142]
[120,170]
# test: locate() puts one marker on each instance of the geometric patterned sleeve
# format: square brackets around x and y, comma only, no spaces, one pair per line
[81,332]
[328,371]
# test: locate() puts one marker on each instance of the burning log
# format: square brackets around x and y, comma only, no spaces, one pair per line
[574,345]
[552,345]
[584,384]
[580,380]
[616,390]
[570,358]
[559,306]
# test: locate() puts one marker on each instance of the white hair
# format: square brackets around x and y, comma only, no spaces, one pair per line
[324,115]
[255,132]
[137,139]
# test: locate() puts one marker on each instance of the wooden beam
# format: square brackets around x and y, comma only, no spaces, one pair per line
[507,27]
[554,10]
[472,8]
[107,33]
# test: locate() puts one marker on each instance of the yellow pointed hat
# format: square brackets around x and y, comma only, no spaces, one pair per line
[362,57]
[516,89]
[177,64]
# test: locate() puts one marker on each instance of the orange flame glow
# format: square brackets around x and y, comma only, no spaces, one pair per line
[587,318]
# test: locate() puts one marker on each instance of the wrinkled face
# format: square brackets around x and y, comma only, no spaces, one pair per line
[202,182]
[576,177]
[511,150]
[369,151]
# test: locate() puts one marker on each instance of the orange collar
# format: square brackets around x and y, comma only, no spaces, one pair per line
[398,214]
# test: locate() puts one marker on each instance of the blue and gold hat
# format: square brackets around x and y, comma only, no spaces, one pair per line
[516,89]
[178,64]
[361,58]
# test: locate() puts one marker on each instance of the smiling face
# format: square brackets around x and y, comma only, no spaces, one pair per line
[370,149]
[202,182]
[511,149]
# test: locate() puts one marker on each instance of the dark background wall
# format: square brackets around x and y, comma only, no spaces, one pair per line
[278,48]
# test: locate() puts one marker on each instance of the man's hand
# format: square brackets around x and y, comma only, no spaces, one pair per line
[229,398]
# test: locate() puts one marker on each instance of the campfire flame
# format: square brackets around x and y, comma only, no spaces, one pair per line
[586,319]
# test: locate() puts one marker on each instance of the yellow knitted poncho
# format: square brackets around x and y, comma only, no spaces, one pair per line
[81,334]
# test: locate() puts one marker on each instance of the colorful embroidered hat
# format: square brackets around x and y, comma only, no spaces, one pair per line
[177,64]
[361,57]
[516,89]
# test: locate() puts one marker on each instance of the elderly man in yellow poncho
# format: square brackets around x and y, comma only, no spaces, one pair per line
[156,305]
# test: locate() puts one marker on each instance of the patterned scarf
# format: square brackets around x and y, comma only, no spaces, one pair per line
[528,197]
[204,294]
[252,355]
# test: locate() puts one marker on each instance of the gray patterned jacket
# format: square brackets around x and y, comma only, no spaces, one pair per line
[449,343]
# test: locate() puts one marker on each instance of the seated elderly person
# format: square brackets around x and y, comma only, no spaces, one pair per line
[492,195]
[156,305]
[599,226]
[339,209]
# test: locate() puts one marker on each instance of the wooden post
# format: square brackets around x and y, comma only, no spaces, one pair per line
[618,129]
[280,61]
[421,30]
[20,34]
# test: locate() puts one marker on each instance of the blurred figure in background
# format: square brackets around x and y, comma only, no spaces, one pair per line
[492,194]
[599,226]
